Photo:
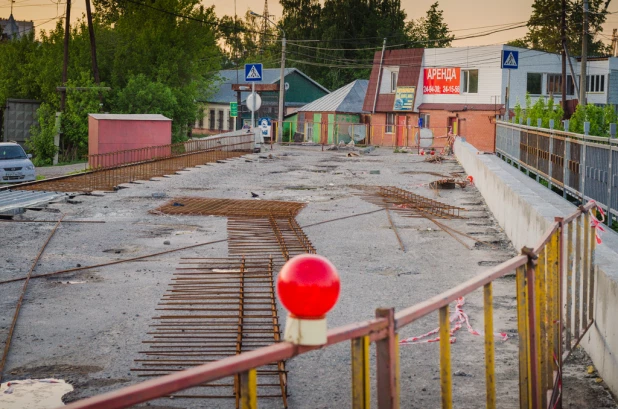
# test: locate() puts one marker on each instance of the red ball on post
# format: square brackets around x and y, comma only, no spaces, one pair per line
[308,287]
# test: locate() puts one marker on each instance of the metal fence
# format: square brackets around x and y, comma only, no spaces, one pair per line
[559,267]
[560,157]
[108,170]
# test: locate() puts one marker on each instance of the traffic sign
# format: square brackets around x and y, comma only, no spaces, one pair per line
[233,109]
[254,103]
[253,72]
[510,59]
[265,124]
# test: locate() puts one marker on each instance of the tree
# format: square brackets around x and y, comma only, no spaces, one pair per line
[545,23]
[430,31]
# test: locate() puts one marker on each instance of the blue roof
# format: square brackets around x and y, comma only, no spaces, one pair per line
[347,99]
[225,95]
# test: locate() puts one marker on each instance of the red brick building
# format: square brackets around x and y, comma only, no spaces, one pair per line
[456,91]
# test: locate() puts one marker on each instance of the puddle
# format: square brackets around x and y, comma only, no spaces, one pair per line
[33,393]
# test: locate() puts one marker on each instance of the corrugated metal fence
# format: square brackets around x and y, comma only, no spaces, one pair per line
[559,157]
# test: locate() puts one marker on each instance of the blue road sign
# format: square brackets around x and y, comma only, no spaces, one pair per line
[253,72]
[510,59]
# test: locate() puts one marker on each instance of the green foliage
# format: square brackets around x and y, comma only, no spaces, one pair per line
[543,110]
[599,118]
[545,22]
[347,34]
[153,60]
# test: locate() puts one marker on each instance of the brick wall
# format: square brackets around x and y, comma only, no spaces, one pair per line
[475,126]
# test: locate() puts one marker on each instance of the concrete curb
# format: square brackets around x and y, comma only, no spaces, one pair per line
[525,209]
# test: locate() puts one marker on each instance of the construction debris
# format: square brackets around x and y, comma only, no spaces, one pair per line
[195,206]
[448,183]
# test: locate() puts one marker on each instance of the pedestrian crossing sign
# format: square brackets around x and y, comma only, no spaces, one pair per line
[253,72]
[510,59]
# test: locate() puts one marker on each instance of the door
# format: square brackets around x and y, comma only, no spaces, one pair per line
[317,128]
[400,129]
[453,123]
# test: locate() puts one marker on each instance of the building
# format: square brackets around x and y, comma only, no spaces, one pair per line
[15,29]
[459,91]
[333,118]
[300,89]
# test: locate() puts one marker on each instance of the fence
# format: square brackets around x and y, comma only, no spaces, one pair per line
[559,158]
[108,170]
[557,272]
[364,134]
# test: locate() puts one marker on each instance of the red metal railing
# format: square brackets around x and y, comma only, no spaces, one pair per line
[554,267]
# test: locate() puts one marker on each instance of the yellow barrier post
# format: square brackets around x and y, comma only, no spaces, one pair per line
[445,359]
[490,375]
[569,286]
[386,362]
[541,328]
[586,269]
[524,337]
[593,246]
[360,373]
[578,271]
[248,389]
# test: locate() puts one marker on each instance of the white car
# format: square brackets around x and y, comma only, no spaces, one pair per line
[15,164]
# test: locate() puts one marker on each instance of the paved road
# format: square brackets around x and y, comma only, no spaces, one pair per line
[55,171]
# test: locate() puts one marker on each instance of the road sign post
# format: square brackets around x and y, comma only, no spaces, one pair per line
[509,61]
[253,73]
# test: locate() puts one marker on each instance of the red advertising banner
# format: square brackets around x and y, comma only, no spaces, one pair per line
[441,80]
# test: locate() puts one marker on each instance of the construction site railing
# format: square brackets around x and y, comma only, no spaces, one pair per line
[104,161]
[555,300]
[577,164]
[333,133]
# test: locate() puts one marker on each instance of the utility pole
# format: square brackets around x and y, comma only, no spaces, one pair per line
[93,47]
[65,64]
[281,90]
[582,83]
[564,68]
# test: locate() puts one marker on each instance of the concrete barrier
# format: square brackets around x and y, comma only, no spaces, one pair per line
[525,209]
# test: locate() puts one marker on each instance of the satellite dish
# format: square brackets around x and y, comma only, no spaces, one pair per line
[357,132]
[287,86]
[426,138]
[254,106]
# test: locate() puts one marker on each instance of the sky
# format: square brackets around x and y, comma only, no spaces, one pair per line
[464,17]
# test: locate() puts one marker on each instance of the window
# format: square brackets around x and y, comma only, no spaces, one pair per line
[309,129]
[470,80]
[220,121]
[595,83]
[390,123]
[211,122]
[200,123]
[570,85]
[394,76]
[534,83]
[425,119]
[554,84]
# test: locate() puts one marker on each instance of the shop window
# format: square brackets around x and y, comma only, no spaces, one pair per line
[470,81]
[390,123]
[534,83]
[425,120]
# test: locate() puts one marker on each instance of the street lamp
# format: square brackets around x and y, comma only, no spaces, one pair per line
[281,80]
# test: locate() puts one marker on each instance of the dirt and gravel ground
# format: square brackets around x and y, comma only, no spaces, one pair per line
[87,327]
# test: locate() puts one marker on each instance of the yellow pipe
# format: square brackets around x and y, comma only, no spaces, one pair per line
[445,359]
[490,374]
[248,389]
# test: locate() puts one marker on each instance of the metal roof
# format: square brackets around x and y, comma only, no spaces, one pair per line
[348,99]
[225,95]
[13,201]
[130,117]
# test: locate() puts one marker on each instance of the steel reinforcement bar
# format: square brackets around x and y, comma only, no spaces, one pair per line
[543,273]
[112,169]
